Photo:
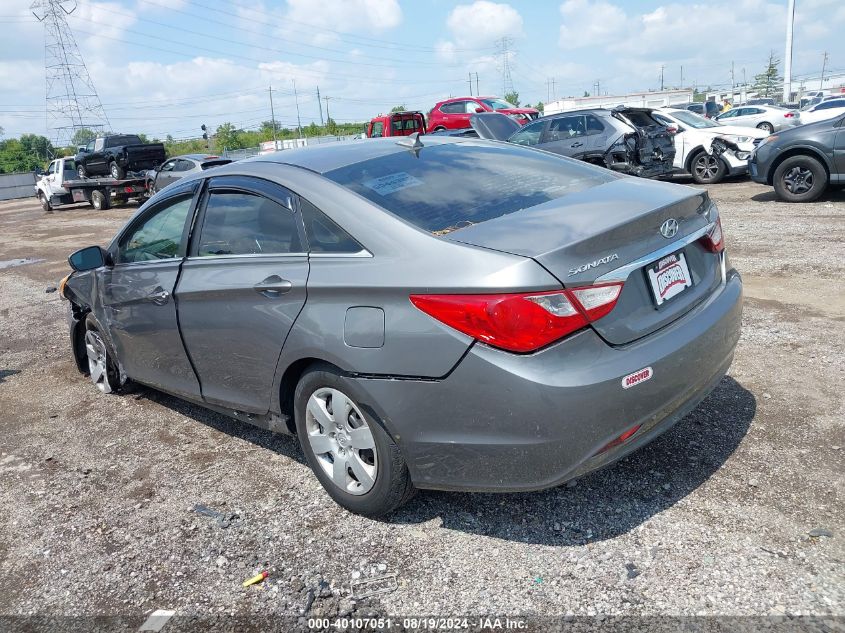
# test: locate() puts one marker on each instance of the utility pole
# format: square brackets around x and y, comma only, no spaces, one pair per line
[470,84]
[296,100]
[507,82]
[824,64]
[661,77]
[733,83]
[328,116]
[682,76]
[554,91]
[72,102]
[273,116]
[477,91]
[320,105]
[548,90]
[787,56]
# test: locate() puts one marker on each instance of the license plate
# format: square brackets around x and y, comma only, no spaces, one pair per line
[669,277]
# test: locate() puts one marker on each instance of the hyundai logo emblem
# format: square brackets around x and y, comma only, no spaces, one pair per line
[669,228]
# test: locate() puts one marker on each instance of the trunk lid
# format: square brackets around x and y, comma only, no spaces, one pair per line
[581,237]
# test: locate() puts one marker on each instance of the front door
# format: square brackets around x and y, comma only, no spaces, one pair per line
[54,178]
[241,289]
[138,301]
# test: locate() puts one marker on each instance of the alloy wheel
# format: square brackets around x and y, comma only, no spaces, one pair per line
[706,167]
[341,440]
[95,347]
[798,180]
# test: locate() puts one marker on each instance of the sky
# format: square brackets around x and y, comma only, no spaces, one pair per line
[168,66]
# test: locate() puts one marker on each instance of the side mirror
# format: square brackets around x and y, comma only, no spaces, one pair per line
[480,109]
[81,149]
[88,258]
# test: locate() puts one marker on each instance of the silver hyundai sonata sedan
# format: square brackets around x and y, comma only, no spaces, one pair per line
[441,313]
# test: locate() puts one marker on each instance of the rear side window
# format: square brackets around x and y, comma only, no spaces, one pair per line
[124,139]
[448,186]
[239,223]
[324,236]
[458,107]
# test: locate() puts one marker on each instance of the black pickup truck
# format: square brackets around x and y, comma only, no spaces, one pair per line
[116,155]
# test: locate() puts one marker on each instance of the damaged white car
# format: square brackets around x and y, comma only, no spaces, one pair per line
[707,150]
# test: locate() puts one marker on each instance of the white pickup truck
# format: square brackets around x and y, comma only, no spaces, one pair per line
[61,185]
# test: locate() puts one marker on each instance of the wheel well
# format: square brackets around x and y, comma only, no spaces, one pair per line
[692,156]
[290,379]
[78,339]
[798,151]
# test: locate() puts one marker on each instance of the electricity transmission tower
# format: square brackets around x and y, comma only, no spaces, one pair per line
[72,101]
[504,54]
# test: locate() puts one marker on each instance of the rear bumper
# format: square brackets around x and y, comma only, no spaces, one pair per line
[505,422]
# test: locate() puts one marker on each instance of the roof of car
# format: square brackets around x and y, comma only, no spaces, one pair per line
[203,157]
[331,156]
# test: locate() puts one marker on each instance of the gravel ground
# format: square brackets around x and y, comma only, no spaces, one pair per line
[738,510]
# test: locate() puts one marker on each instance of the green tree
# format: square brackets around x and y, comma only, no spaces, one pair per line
[399,108]
[513,97]
[540,106]
[228,137]
[14,157]
[331,126]
[83,136]
[39,146]
[586,93]
[768,83]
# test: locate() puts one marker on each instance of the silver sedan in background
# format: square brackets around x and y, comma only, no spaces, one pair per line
[178,167]
[768,118]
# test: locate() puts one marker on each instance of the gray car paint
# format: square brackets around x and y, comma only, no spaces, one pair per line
[823,140]
[538,416]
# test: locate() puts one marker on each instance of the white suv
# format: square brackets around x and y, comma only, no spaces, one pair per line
[706,149]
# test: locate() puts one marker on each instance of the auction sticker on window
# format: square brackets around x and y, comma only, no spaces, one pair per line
[669,277]
[385,185]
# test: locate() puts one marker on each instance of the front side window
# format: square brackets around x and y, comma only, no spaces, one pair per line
[52,169]
[159,236]
[239,223]
[183,165]
[498,104]
[528,135]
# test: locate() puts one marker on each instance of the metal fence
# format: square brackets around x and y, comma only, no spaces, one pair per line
[21,185]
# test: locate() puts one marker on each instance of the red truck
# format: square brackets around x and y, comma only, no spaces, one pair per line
[396,124]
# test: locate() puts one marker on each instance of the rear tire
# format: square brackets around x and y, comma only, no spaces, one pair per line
[439,128]
[117,172]
[100,200]
[707,169]
[360,467]
[768,127]
[800,179]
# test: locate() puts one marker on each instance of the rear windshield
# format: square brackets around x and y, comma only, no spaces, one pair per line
[639,118]
[123,139]
[447,187]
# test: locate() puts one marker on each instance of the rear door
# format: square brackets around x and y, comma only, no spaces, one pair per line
[242,288]
[95,162]
[839,154]
[138,303]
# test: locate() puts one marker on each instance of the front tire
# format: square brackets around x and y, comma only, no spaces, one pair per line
[768,127]
[81,172]
[353,457]
[800,179]
[102,370]
[707,169]
[44,201]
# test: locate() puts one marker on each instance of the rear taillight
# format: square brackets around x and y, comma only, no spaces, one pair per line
[789,115]
[714,241]
[521,322]
[627,435]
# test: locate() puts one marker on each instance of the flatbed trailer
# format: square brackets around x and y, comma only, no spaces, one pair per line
[58,187]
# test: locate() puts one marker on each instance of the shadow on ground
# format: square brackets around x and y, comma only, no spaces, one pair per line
[831,195]
[5,373]
[599,506]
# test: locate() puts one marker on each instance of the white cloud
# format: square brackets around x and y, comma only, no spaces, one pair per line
[588,23]
[480,24]
[347,16]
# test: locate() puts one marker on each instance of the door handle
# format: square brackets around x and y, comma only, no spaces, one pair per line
[159,296]
[578,144]
[273,286]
